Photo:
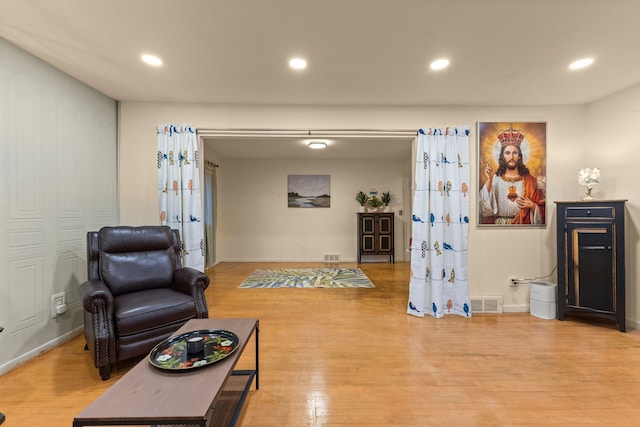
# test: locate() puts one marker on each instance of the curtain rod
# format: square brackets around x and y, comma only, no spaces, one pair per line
[312,133]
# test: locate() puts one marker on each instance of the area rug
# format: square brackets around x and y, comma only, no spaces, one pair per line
[307,278]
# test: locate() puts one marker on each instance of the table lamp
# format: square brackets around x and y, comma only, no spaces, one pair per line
[589,177]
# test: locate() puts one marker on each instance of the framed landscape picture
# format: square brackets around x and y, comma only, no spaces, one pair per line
[309,191]
[512,173]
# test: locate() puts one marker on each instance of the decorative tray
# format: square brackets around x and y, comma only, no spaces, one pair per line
[193,349]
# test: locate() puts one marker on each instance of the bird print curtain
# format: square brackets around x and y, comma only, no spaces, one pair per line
[179,189]
[440,224]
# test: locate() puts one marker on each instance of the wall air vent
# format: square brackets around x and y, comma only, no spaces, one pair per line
[332,260]
[486,305]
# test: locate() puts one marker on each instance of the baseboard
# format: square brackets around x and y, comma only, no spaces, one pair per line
[292,260]
[516,308]
[24,358]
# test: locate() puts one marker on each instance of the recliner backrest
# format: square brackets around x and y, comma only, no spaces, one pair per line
[132,259]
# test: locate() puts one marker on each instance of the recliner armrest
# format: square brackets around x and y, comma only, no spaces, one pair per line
[99,333]
[93,290]
[187,278]
[193,282]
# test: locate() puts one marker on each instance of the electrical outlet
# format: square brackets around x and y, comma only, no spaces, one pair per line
[515,281]
[58,304]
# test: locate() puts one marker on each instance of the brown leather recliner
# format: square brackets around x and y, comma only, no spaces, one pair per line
[137,292]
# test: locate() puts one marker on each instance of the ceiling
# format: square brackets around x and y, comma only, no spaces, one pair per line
[360,52]
[292,148]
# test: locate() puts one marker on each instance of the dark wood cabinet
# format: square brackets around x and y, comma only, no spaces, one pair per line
[591,271]
[375,234]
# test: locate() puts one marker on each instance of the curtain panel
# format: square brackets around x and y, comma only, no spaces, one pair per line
[440,224]
[210,213]
[179,198]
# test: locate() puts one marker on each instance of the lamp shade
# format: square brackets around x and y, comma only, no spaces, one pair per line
[589,176]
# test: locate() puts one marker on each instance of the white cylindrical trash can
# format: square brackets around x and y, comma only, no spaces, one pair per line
[543,299]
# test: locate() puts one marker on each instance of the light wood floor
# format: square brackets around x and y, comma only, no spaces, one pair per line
[353,357]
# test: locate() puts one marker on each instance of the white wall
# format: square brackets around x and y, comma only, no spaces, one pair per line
[495,253]
[613,146]
[255,224]
[58,140]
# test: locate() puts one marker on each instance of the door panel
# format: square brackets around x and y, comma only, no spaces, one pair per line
[591,278]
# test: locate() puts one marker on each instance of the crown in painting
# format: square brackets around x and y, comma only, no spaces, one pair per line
[510,137]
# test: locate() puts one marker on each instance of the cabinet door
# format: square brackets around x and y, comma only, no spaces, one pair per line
[385,234]
[368,234]
[385,224]
[591,275]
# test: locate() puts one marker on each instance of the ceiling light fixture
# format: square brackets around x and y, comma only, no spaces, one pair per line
[581,63]
[151,60]
[439,64]
[317,145]
[298,63]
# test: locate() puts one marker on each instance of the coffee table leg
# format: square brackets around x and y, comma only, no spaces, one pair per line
[257,355]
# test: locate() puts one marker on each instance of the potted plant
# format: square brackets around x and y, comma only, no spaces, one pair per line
[362,199]
[386,198]
[375,202]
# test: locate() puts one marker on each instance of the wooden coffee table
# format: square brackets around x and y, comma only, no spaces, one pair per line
[208,396]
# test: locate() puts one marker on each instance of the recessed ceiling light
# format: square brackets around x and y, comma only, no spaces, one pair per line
[151,60]
[317,145]
[298,63]
[439,64]
[581,63]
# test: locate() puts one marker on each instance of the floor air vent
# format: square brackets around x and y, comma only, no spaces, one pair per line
[486,304]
